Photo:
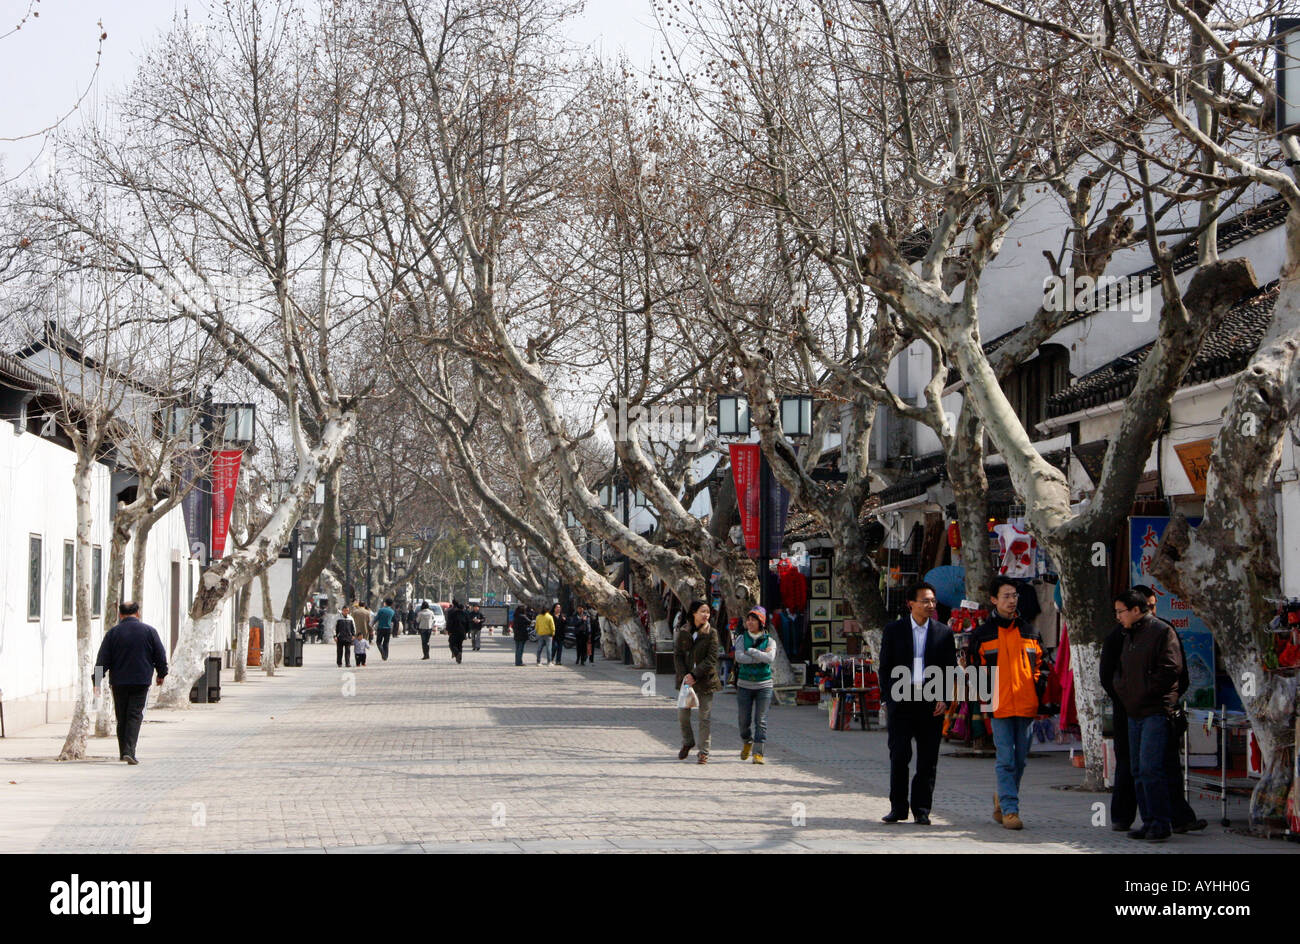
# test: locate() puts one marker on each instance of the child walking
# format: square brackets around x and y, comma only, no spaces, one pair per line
[361,645]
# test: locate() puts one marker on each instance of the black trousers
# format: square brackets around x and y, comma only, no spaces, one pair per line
[424,642]
[343,652]
[455,642]
[382,644]
[128,705]
[908,722]
[582,648]
[1123,793]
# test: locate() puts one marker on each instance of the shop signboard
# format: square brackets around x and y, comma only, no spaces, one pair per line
[1198,643]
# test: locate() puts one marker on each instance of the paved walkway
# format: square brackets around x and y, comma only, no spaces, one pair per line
[414,756]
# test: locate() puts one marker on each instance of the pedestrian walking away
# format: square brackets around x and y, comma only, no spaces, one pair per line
[384,620]
[363,618]
[345,634]
[412,619]
[695,658]
[581,634]
[557,639]
[1146,681]
[545,636]
[755,650]
[131,654]
[424,619]
[520,626]
[476,621]
[1009,644]
[909,648]
[457,628]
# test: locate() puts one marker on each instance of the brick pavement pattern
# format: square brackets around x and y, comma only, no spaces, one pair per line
[415,756]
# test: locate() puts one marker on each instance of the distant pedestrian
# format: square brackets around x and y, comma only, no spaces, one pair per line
[755,652]
[130,654]
[520,626]
[384,620]
[581,633]
[476,621]
[545,636]
[345,633]
[424,620]
[457,627]
[411,619]
[360,646]
[557,641]
[695,657]
[593,619]
[361,616]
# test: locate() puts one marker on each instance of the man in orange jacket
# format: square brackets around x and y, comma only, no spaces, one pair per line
[1009,646]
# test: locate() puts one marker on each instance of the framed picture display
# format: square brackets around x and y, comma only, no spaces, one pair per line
[837,631]
[841,609]
[821,587]
[819,610]
[819,651]
[821,632]
[819,566]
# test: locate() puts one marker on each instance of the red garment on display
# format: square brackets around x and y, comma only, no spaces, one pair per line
[794,590]
[1060,683]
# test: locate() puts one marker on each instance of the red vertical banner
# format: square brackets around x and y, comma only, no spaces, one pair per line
[225,476]
[744,470]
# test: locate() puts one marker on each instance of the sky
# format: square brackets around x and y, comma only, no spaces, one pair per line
[49,64]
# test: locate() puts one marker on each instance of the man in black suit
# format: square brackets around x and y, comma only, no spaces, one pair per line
[910,647]
[130,654]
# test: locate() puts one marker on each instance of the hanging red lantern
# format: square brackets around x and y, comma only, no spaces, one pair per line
[954,536]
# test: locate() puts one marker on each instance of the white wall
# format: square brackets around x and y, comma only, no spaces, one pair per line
[38,664]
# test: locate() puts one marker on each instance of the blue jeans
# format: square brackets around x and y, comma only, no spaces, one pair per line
[1011,739]
[1148,739]
[543,648]
[753,704]
[557,647]
[519,650]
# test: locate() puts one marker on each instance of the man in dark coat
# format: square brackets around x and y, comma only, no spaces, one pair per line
[131,653]
[457,628]
[476,620]
[522,623]
[912,650]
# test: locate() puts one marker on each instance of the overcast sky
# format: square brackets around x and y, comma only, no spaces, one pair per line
[50,62]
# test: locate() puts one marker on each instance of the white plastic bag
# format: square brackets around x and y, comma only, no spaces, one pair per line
[686,697]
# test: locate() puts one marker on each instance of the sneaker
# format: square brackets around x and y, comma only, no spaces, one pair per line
[997,810]
[704,759]
[1012,821]
[758,759]
[744,751]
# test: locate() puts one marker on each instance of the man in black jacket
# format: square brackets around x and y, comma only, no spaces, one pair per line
[130,654]
[910,648]
[476,620]
[1146,682]
[523,622]
[457,627]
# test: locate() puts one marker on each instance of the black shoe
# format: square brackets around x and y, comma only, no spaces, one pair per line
[1121,827]
[130,759]
[1158,834]
[921,819]
[893,816]
[1194,826]
[1139,833]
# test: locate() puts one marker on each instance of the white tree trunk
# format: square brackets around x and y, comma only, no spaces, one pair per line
[74,746]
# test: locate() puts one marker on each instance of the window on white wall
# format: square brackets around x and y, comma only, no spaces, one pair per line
[96,581]
[33,576]
[69,577]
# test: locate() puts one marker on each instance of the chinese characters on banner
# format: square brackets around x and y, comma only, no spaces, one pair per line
[225,476]
[1198,643]
[744,470]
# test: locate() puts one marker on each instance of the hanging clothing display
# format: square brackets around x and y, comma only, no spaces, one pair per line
[1017,551]
[794,589]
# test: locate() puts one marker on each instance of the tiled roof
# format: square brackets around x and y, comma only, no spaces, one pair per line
[1227,349]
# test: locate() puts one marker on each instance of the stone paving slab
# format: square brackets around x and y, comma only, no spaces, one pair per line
[429,756]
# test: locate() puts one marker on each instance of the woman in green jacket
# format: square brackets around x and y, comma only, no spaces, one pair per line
[695,655]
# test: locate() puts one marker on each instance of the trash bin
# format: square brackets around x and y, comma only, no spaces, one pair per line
[207,687]
[293,651]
